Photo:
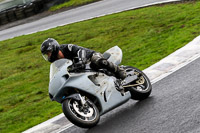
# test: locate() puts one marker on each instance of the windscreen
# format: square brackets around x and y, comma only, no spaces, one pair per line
[55,66]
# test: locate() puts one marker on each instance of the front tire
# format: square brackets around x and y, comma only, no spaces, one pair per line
[82,116]
[142,88]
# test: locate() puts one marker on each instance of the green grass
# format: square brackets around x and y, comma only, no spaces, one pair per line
[71,3]
[145,35]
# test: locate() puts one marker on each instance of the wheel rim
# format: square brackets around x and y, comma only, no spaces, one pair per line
[142,82]
[86,113]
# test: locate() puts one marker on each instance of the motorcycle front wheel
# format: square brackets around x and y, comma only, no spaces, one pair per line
[141,88]
[86,116]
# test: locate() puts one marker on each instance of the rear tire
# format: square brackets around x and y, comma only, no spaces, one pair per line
[142,91]
[85,118]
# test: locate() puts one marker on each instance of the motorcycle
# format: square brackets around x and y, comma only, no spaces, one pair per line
[86,94]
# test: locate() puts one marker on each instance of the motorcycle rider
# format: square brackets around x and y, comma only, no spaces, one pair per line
[52,51]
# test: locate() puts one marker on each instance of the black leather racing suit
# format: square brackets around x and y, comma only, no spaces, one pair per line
[70,51]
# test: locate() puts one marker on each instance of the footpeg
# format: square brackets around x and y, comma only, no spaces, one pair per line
[123,92]
[119,87]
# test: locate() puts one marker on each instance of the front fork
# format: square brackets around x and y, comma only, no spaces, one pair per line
[77,97]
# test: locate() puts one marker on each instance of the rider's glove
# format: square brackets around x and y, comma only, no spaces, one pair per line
[82,56]
[80,64]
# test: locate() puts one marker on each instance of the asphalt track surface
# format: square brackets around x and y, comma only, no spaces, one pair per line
[93,10]
[173,107]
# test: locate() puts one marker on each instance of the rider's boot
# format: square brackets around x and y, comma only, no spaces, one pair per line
[120,73]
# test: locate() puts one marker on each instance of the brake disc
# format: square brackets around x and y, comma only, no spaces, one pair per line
[89,113]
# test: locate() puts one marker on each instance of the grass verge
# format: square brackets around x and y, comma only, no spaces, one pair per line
[145,35]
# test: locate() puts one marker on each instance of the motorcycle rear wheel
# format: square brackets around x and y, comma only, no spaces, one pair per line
[85,117]
[144,87]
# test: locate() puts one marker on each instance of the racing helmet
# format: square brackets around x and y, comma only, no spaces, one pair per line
[50,49]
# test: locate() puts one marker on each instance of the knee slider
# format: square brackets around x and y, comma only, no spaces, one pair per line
[103,62]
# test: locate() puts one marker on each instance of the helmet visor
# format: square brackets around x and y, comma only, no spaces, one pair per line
[47,55]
